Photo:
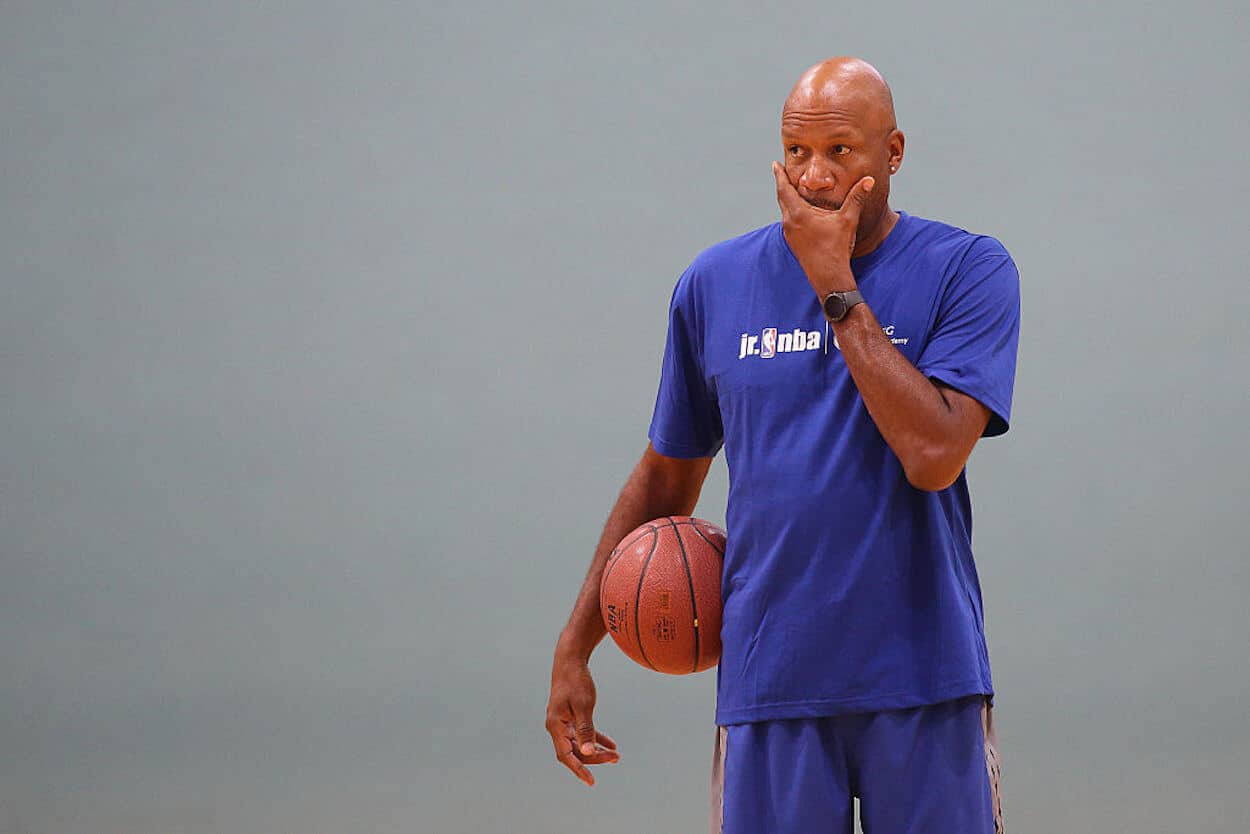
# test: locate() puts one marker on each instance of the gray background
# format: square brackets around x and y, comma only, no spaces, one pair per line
[330,332]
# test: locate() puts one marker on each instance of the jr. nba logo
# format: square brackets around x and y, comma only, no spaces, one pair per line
[768,343]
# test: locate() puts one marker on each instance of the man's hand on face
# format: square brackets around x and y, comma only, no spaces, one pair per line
[822,239]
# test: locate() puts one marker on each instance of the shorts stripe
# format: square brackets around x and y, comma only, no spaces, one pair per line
[716,819]
[993,764]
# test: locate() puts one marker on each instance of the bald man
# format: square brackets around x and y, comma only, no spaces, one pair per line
[847,359]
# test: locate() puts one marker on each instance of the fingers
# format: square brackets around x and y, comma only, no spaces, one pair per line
[600,756]
[600,752]
[571,753]
[790,201]
[564,749]
[567,758]
[787,198]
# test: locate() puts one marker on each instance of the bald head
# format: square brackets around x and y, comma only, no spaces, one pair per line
[837,129]
[847,85]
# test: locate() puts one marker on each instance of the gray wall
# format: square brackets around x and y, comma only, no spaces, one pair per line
[328,334]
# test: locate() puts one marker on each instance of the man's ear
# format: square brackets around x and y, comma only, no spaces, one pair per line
[896,142]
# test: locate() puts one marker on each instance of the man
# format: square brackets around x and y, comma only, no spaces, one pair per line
[854,661]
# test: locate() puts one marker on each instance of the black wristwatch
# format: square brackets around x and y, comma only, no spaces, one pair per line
[837,304]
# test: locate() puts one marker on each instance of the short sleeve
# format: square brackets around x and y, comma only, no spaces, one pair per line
[977,331]
[686,422]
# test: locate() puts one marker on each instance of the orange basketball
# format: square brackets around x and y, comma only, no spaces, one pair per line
[660,594]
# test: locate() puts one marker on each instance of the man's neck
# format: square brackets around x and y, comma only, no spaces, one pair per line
[878,235]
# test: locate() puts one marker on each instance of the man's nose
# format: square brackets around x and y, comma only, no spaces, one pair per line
[817,177]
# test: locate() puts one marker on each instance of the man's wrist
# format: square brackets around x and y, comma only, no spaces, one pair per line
[838,281]
[857,322]
[575,646]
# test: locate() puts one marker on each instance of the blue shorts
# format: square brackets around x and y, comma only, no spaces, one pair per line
[931,769]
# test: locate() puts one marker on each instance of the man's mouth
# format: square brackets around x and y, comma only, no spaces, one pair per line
[823,203]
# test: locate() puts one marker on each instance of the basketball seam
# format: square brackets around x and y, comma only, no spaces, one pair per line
[643,530]
[620,550]
[694,607]
[655,540]
[705,538]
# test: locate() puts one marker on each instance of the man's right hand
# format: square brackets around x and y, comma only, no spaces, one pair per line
[569,720]
[657,487]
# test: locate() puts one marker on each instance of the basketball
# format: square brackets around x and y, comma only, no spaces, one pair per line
[660,594]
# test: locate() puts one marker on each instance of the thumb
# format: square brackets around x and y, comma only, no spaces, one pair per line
[858,195]
[585,730]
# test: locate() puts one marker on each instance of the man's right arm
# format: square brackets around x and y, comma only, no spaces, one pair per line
[659,486]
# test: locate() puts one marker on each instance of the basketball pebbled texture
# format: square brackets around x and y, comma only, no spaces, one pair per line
[660,594]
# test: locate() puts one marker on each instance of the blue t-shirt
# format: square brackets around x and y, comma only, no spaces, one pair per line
[845,588]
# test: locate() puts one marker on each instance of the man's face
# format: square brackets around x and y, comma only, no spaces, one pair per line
[830,143]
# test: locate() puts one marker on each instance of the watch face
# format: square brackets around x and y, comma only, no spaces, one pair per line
[835,306]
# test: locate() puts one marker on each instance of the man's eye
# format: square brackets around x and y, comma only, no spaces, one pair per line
[839,150]
[793,150]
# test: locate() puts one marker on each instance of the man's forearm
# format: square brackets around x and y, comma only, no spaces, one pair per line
[585,627]
[657,487]
[914,416]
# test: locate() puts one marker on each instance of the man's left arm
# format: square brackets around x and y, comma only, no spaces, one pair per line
[931,416]
[930,427]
